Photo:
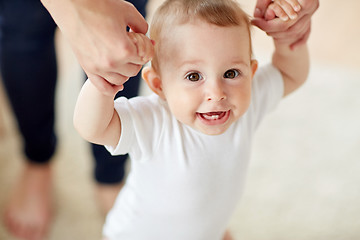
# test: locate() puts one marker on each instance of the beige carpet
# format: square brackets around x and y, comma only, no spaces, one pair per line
[303,181]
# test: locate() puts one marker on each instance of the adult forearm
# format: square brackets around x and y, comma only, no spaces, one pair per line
[61,10]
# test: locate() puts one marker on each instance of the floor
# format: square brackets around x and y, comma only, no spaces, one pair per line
[303,181]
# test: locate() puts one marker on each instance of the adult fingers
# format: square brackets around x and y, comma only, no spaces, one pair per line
[293,35]
[115,78]
[104,86]
[117,74]
[302,40]
[299,28]
[290,35]
[269,14]
[135,20]
[279,12]
[127,70]
[275,25]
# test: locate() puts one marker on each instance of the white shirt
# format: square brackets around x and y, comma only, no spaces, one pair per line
[183,184]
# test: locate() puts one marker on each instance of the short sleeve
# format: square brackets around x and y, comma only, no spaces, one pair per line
[123,108]
[142,122]
[267,91]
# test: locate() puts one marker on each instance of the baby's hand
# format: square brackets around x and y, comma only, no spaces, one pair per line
[283,9]
[144,45]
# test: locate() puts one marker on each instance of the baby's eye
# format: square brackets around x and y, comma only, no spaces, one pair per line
[232,73]
[194,76]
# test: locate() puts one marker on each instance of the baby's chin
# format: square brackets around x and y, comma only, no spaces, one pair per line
[213,130]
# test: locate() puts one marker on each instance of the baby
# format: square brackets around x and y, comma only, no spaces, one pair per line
[189,142]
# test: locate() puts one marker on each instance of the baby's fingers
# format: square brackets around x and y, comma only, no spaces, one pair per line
[145,48]
[139,43]
[295,5]
[149,49]
[285,9]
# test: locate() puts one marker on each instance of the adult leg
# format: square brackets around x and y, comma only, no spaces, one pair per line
[28,67]
[110,170]
[227,236]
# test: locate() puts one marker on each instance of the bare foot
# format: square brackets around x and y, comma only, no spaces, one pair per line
[106,195]
[227,236]
[28,212]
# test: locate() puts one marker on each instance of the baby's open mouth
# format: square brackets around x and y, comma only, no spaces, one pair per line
[214,118]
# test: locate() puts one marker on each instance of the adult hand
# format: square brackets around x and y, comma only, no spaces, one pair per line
[295,32]
[97,34]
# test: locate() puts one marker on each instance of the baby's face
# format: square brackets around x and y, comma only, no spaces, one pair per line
[206,74]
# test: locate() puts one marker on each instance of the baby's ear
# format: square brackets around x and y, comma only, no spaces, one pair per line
[153,80]
[254,67]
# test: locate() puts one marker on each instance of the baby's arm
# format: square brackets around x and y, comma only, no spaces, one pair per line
[95,118]
[293,65]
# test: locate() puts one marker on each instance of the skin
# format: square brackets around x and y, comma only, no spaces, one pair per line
[200,79]
[98,122]
[109,56]
[28,212]
[283,9]
[206,78]
[294,32]
[97,34]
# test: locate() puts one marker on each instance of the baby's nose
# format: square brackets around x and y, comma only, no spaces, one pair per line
[215,92]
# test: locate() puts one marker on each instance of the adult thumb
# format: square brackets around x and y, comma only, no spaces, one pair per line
[136,21]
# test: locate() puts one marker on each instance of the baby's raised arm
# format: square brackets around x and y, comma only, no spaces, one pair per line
[292,63]
[95,118]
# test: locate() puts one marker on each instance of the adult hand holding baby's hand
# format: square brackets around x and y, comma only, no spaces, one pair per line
[293,30]
[97,33]
[144,52]
[144,46]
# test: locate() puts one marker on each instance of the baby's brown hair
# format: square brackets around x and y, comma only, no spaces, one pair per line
[222,13]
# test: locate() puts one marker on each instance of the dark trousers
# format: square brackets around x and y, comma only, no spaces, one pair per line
[29,72]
